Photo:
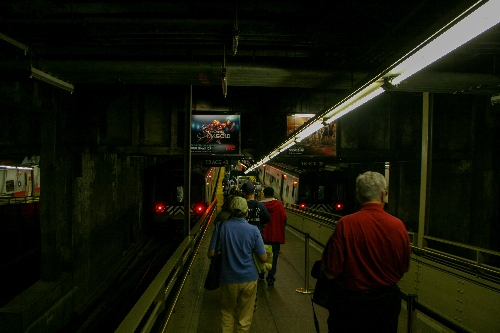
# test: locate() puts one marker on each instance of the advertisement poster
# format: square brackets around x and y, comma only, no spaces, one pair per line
[321,143]
[215,134]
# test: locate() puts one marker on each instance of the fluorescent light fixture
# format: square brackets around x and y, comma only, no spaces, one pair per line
[274,154]
[357,100]
[310,129]
[14,167]
[448,39]
[471,22]
[308,115]
[288,145]
[42,76]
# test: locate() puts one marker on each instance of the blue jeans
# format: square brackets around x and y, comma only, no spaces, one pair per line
[276,251]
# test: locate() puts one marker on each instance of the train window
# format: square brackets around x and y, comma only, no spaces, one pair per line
[338,192]
[321,192]
[9,185]
[180,193]
[287,189]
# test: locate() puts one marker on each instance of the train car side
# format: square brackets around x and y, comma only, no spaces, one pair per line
[318,190]
[284,183]
[20,181]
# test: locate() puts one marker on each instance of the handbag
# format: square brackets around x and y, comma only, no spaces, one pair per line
[322,290]
[212,281]
[323,285]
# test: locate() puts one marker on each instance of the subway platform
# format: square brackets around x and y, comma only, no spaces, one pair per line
[280,309]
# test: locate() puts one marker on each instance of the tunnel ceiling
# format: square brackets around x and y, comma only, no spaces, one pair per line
[292,44]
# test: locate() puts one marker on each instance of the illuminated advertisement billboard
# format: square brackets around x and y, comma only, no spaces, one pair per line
[215,134]
[321,143]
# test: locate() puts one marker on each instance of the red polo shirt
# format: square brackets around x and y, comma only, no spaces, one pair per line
[368,249]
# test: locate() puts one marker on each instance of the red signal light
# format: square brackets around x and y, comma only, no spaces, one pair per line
[339,206]
[199,208]
[302,206]
[160,208]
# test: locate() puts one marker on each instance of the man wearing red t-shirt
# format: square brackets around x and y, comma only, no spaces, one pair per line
[366,256]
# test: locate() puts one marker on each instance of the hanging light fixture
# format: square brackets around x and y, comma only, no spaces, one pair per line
[223,74]
[42,76]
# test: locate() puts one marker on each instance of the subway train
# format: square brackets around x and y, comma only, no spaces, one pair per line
[19,181]
[312,190]
[329,190]
[164,193]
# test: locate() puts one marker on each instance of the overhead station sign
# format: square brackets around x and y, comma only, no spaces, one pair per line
[216,162]
[311,164]
[215,134]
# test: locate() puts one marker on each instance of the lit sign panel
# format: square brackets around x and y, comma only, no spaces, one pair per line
[215,134]
[321,143]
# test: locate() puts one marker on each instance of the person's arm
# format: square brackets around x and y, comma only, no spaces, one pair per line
[328,257]
[265,218]
[259,246]
[213,241]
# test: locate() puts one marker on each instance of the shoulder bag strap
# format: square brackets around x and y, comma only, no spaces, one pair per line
[218,238]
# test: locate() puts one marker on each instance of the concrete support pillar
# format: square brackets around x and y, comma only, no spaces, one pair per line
[51,258]
[174,130]
[188,108]
[425,170]
[136,120]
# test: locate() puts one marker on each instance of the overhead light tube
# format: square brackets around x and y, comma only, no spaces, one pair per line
[356,101]
[449,38]
[312,128]
[475,20]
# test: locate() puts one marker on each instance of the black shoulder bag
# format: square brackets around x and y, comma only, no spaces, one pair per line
[322,290]
[212,281]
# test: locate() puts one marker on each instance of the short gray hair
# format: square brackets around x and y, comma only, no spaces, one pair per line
[369,185]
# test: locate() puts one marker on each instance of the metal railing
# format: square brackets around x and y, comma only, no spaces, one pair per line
[10,200]
[157,303]
[466,258]
[487,272]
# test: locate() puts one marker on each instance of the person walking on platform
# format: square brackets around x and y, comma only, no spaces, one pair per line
[274,232]
[238,241]
[366,256]
[257,212]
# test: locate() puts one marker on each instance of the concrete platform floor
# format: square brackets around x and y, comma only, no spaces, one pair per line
[280,309]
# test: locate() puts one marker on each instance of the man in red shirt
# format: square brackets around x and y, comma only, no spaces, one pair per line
[274,232]
[366,256]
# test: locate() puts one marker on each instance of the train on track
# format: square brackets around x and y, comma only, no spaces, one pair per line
[330,190]
[314,190]
[164,194]
[19,181]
